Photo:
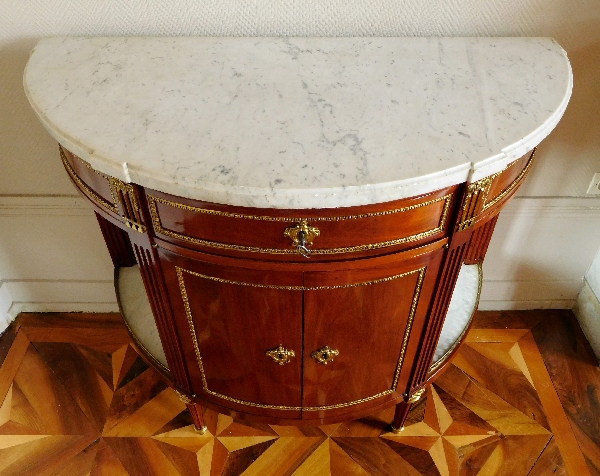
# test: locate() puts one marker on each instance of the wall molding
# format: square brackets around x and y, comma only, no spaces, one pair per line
[43,205]
[555,206]
[65,295]
[498,295]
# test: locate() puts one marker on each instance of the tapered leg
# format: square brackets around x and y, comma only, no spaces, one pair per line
[197,412]
[117,242]
[402,410]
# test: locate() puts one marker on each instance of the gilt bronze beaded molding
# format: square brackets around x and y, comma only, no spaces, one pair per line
[194,336]
[122,194]
[476,200]
[152,200]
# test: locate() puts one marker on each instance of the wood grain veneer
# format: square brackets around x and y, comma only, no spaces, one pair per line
[79,401]
[226,285]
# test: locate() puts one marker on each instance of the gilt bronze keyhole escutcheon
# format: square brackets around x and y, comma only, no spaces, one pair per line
[281,355]
[302,236]
[325,355]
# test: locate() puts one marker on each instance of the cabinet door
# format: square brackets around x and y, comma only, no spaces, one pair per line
[233,317]
[361,331]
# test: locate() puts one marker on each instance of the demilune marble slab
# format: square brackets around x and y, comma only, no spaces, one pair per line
[298,122]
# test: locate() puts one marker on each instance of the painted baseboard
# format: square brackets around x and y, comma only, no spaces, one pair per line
[497,295]
[54,296]
[52,258]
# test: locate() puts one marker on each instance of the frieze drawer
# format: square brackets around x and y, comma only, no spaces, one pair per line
[314,234]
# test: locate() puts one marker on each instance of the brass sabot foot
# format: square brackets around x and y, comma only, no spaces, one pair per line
[200,430]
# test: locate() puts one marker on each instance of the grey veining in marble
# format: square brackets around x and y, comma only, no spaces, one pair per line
[298,122]
[463,304]
[136,310]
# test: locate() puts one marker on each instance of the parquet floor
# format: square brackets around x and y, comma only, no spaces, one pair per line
[521,398]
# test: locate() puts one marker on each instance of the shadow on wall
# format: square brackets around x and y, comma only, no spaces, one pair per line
[568,159]
[27,152]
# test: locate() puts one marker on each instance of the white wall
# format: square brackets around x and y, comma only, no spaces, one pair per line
[51,253]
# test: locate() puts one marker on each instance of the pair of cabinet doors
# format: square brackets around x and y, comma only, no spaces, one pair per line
[301,340]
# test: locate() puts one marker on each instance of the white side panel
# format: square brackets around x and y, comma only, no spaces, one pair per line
[587,310]
[5,305]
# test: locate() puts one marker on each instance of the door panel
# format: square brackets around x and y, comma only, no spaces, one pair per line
[371,316]
[233,317]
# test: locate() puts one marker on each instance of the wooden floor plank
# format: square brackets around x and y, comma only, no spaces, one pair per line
[559,424]
[520,398]
[574,371]
[510,319]
[100,331]
[11,364]
[6,340]
[549,462]
[84,384]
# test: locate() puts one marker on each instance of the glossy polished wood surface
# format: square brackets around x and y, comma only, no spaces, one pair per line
[343,232]
[75,399]
[370,321]
[227,285]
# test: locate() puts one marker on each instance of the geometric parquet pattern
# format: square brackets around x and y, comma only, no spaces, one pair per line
[521,398]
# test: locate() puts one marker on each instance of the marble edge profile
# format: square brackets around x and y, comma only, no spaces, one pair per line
[491,165]
[332,197]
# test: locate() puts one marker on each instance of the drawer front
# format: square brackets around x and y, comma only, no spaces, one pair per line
[94,184]
[111,196]
[486,197]
[334,232]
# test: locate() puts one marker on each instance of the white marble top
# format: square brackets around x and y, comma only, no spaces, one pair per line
[298,122]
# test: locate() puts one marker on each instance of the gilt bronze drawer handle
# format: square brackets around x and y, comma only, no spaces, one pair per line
[302,236]
[281,355]
[325,355]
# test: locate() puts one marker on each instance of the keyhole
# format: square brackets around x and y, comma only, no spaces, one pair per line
[325,356]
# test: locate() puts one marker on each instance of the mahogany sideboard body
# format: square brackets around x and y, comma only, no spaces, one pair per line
[252,328]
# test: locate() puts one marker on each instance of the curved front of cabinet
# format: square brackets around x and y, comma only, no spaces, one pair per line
[294,341]
[250,326]
[229,318]
[373,317]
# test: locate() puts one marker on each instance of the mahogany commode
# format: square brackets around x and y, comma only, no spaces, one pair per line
[257,302]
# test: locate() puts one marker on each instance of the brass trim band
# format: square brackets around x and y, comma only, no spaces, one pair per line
[299,288]
[476,199]
[120,192]
[196,344]
[152,200]
[512,185]
[292,220]
[97,198]
[183,397]
[416,396]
